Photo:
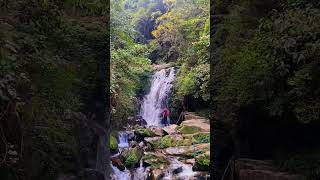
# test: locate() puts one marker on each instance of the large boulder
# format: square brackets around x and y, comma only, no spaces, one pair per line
[141,133]
[155,160]
[171,129]
[187,151]
[131,135]
[191,115]
[202,162]
[116,161]
[157,174]
[113,143]
[158,131]
[172,141]
[199,125]
[131,157]
[152,139]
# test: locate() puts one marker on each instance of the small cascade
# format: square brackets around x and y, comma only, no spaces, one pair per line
[120,175]
[123,139]
[186,171]
[157,98]
[141,173]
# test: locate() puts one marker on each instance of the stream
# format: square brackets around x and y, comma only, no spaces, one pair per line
[151,109]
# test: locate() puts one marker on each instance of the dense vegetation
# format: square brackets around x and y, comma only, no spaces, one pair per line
[182,37]
[50,71]
[148,31]
[130,66]
[265,81]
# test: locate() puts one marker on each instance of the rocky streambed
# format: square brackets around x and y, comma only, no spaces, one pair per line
[172,152]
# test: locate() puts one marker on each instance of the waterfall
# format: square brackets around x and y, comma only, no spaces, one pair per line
[153,102]
[123,139]
[186,170]
[120,175]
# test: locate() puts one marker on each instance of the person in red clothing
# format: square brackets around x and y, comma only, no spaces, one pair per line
[165,114]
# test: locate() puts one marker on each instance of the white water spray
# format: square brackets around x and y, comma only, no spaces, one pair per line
[157,98]
[123,140]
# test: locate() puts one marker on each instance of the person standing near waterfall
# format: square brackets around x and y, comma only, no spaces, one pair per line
[165,114]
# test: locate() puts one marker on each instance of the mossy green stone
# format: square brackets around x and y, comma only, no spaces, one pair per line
[113,143]
[131,160]
[155,161]
[145,132]
[201,138]
[189,129]
[203,160]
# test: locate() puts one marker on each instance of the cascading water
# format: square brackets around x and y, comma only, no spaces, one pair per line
[151,110]
[154,102]
[120,175]
[186,170]
[123,139]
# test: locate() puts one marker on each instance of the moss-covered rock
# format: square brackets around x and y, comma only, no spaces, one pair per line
[155,160]
[132,157]
[202,162]
[116,161]
[113,143]
[131,160]
[188,129]
[141,133]
[172,141]
[201,137]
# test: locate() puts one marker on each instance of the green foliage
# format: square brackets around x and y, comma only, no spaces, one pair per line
[145,132]
[155,161]
[202,138]
[47,72]
[165,142]
[276,64]
[188,129]
[203,160]
[131,160]
[130,66]
[182,36]
[265,70]
[113,143]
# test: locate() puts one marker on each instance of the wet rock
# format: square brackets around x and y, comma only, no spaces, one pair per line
[131,157]
[157,174]
[116,161]
[158,131]
[191,115]
[155,160]
[190,161]
[152,139]
[141,144]
[202,125]
[177,170]
[141,133]
[131,135]
[171,129]
[186,150]
[142,122]
[202,163]
[113,143]
[133,144]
